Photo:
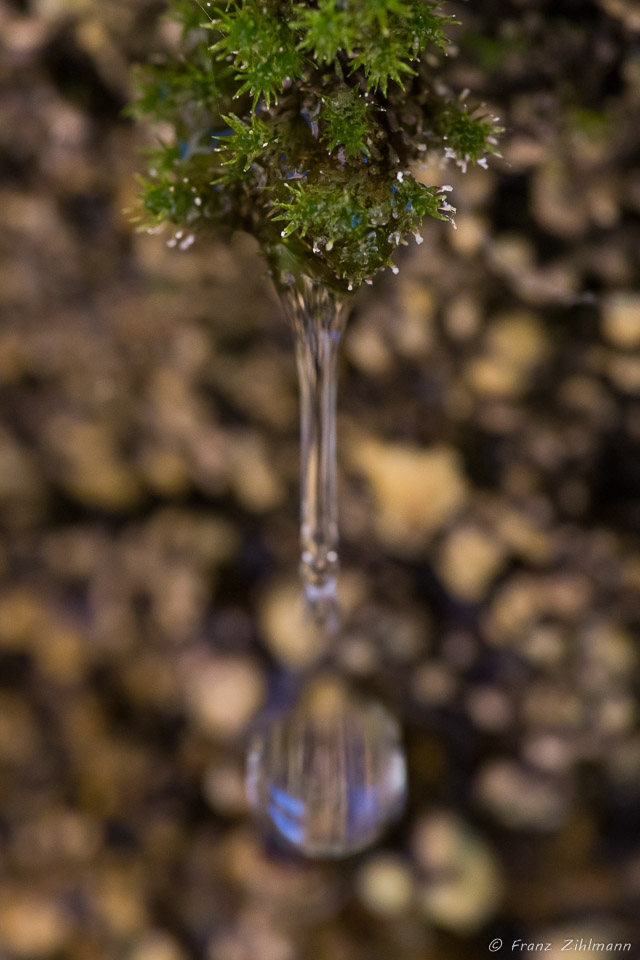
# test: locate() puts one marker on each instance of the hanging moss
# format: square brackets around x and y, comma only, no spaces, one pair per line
[300,121]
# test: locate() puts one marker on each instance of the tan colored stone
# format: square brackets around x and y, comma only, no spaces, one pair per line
[223,693]
[621,319]
[549,753]
[625,10]
[31,926]
[512,253]
[523,536]
[492,377]
[19,479]
[165,471]
[489,708]
[253,478]
[616,715]
[121,903]
[416,491]
[468,562]
[588,396]
[157,945]
[558,203]
[471,234]
[21,617]
[546,645]
[517,338]
[625,372]
[62,653]
[515,344]
[91,468]
[150,680]
[463,317]
[611,649]
[58,836]
[433,684]
[367,350]
[53,9]
[548,705]
[413,334]
[180,594]
[464,885]
[513,609]
[18,730]
[518,798]
[385,885]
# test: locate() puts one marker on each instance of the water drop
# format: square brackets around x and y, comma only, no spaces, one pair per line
[329,775]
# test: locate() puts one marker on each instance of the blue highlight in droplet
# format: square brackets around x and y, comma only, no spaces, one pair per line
[290,804]
[294,832]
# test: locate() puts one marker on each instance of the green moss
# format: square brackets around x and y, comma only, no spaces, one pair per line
[347,121]
[299,122]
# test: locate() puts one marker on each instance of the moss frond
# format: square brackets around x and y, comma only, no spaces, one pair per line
[299,121]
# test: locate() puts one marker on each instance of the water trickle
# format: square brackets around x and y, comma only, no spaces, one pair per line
[318,317]
[330,775]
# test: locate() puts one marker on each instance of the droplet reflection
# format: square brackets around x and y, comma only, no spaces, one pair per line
[330,775]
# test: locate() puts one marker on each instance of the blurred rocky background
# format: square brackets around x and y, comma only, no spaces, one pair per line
[490,500]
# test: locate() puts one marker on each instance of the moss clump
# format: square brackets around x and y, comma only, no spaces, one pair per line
[299,122]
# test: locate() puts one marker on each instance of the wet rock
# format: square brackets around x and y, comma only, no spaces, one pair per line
[515,346]
[253,478]
[462,885]
[89,464]
[469,561]
[416,491]
[520,799]
[385,885]
[32,926]
[222,693]
[156,945]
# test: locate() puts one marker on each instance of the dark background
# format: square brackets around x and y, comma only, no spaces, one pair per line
[490,501]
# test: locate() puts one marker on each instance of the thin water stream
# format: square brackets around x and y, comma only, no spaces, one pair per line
[329,774]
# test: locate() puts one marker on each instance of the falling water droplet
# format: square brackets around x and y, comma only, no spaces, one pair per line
[329,775]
